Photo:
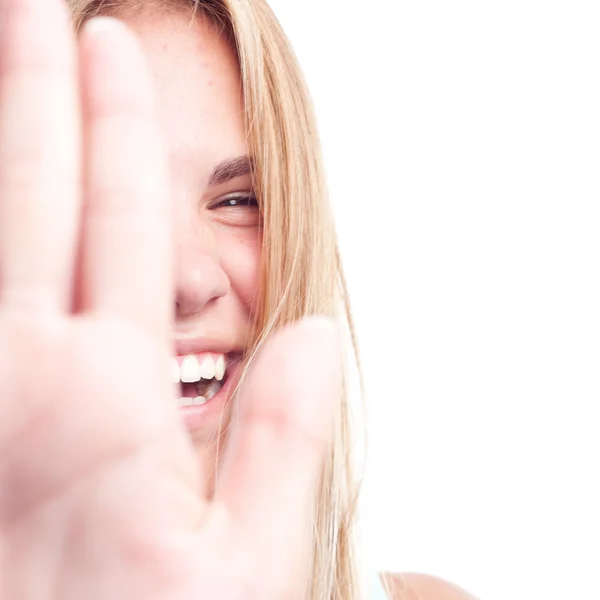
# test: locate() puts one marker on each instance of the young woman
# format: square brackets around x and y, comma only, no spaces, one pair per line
[173,421]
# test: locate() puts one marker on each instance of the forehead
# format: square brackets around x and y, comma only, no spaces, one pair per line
[198,84]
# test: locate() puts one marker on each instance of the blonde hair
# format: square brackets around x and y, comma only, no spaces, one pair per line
[301,271]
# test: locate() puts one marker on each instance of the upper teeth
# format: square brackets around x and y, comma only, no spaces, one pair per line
[192,370]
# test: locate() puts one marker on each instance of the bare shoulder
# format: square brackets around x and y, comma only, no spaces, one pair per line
[416,586]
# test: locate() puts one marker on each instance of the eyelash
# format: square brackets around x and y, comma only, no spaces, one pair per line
[243,200]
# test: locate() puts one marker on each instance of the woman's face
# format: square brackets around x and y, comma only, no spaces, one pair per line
[216,221]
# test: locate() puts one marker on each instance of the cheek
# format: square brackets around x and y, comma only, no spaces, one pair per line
[239,251]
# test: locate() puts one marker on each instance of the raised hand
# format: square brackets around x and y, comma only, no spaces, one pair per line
[100,493]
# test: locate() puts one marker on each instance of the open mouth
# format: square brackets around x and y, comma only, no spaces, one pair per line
[200,376]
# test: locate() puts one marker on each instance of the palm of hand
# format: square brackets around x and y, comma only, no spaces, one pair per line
[100,496]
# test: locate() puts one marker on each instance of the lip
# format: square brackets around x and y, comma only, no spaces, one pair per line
[196,417]
[185,346]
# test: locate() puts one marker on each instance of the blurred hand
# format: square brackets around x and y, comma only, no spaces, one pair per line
[100,494]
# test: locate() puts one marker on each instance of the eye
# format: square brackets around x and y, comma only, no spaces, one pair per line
[237,209]
[245,200]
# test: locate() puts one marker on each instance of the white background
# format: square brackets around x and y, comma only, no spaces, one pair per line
[462,141]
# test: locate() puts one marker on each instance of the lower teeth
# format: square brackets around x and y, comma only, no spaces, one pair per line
[208,392]
[198,401]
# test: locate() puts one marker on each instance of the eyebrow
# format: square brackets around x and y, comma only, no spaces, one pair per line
[231,169]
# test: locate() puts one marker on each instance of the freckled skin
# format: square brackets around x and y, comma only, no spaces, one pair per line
[203,127]
[201,108]
[200,99]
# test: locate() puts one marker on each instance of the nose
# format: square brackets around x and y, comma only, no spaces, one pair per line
[199,277]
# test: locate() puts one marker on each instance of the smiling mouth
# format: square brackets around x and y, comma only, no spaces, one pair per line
[200,376]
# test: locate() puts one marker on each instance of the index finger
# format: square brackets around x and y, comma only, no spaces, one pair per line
[127,246]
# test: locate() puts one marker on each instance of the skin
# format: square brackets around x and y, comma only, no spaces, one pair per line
[102,493]
[201,111]
[418,586]
[104,496]
[217,244]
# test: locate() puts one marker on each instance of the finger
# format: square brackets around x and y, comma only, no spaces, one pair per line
[40,142]
[126,264]
[281,435]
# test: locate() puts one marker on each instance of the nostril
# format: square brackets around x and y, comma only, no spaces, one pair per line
[194,293]
[193,306]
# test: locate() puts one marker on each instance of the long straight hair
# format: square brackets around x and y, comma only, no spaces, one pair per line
[301,272]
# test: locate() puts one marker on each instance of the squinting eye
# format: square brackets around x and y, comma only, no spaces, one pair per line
[237,201]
